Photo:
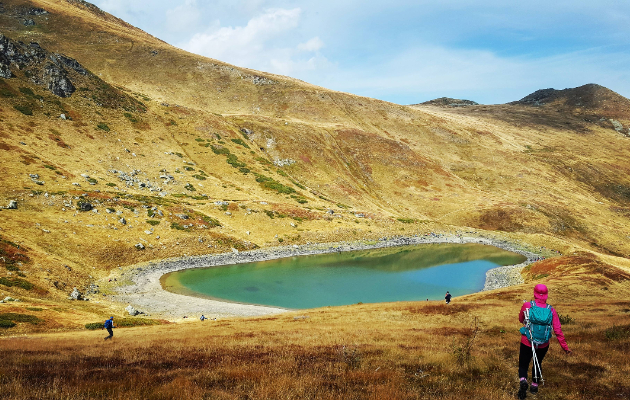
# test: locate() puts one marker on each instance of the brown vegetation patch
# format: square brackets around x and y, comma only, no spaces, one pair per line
[441,309]
[7,147]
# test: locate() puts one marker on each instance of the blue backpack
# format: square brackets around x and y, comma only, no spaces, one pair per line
[538,322]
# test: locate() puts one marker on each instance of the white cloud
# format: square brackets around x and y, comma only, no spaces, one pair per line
[184,17]
[312,45]
[264,43]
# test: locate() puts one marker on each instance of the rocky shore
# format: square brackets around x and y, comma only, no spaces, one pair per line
[145,291]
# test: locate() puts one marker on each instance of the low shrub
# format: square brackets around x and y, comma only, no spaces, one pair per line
[103,126]
[153,222]
[110,184]
[6,324]
[406,220]
[617,332]
[26,110]
[200,177]
[220,150]
[565,319]
[16,282]
[241,142]
[190,187]
[15,317]
[125,323]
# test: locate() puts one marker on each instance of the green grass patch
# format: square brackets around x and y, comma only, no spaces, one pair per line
[406,220]
[220,150]
[179,227]
[212,222]
[282,173]
[6,324]
[298,184]
[271,184]
[124,323]
[240,142]
[34,308]
[617,332]
[102,126]
[200,177]
[92,180]
[263,161]
[16,282]
[26,110]
[15,317]
[111,184]
[153,222]
[190,187]
[232,159]
[131,117]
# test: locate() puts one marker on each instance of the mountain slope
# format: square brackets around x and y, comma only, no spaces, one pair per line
[198,156]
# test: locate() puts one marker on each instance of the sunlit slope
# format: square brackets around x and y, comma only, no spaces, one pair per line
[199,156]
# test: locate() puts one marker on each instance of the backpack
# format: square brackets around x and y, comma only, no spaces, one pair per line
[538,321]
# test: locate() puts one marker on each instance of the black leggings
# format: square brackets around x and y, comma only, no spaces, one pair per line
[525,356]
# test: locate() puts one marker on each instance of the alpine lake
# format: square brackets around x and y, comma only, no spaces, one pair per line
[408,273]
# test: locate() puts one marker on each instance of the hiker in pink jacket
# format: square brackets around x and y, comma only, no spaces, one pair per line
[526,352]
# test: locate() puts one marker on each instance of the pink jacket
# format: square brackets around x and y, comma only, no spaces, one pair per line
[557,328]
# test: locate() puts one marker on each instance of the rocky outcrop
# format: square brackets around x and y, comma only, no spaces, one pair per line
[75,295]
[46,69]
[59,74]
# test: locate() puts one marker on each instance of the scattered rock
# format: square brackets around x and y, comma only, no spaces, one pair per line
[75,295]
[132,311]
[12,205]
[182,216]
[140,246]
[301,317]
[85,206]
[8,299]
[123,221]
[28,22]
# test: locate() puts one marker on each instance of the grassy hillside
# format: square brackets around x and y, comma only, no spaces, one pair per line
[117,149]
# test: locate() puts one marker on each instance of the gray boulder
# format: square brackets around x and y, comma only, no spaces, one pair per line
[12,205]
[85,206]
[75,295]
[140,246]
[123,221]
[132,311]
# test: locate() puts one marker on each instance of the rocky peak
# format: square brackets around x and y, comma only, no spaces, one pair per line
[590,97]
[449,102]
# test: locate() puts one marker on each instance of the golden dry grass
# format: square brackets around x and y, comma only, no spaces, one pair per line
[550,179]
[388,351]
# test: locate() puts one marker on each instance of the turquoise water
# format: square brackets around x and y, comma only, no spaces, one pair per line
[369,276]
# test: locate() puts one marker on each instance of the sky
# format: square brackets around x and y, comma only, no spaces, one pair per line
[406,52]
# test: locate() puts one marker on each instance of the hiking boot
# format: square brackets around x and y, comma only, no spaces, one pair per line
[522,391]
[534,389]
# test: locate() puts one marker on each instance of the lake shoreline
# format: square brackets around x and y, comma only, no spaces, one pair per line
[146,294]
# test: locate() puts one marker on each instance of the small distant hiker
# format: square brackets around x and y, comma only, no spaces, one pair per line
[539,319]
[203,317]
[109,325]
[448,298]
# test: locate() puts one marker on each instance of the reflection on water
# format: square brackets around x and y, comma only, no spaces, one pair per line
[391,274]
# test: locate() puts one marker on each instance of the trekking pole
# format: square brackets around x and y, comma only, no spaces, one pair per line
[535,360]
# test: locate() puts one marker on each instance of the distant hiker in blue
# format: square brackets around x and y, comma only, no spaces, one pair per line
[109,325]
[448,298]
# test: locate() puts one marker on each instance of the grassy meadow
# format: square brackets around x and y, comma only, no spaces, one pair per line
[406,350]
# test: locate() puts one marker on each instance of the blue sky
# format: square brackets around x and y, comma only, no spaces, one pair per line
[490,51]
